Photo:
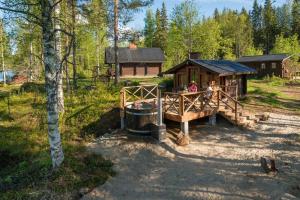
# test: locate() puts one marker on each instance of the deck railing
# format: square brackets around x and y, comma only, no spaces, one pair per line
[229,101]
[137,93]
[181,103]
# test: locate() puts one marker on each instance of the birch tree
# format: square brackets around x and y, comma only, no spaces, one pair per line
[45,18]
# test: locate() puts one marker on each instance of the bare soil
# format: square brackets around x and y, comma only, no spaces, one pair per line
[222,162]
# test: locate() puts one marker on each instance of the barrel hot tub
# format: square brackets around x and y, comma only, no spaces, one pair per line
[141,118]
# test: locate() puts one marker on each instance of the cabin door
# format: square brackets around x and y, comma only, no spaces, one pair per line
[244,85]
[193,75]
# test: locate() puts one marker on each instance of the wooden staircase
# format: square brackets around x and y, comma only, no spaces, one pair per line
[234,111]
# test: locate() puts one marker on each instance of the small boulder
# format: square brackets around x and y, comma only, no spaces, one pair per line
[183,139]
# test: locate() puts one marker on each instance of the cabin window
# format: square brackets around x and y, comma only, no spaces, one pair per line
[273,65]
[263,66]
[180,80]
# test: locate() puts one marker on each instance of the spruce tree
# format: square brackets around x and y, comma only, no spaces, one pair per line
[296,17]
[269,24]
[164,26]
[256,19]
[149,28]
[158,30]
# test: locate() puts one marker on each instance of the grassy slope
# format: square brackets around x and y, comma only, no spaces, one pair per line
[274,93]
[25,171]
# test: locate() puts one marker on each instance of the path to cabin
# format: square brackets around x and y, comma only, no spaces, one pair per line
[222,162]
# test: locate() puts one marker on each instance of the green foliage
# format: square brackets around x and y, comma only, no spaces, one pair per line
[289,45]
[24,150]
[149,28]
[296,17]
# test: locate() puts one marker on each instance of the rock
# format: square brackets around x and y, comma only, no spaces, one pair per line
[268,164]
[265,117]
[288,196]
[183,139]
[83,191]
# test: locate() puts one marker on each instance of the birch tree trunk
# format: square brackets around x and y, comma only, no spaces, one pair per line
[52,64]
[2,53]
[60,96]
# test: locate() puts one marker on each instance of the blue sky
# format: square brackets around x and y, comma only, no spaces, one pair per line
[205,7]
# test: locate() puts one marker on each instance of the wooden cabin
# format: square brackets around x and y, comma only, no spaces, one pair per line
[221,73]
[137,62]
[279,65]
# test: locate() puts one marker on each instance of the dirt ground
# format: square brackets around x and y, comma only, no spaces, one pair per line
[222,162]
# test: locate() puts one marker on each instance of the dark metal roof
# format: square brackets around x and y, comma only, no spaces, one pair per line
[138,55]
[221,67]
[263,58]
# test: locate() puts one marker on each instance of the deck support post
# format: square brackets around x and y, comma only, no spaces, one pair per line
[212,120]
[122,123]
[185,127]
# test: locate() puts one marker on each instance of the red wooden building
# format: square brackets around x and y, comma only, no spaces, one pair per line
[137,62]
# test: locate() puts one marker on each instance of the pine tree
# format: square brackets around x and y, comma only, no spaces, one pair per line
[296,17]
[149,28]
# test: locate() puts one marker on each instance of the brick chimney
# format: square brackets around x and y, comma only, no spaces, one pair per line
[132,45]
[194,55]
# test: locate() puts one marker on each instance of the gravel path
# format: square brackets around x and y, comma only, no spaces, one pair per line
[222,162]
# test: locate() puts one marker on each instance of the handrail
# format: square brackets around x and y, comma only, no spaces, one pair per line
[231,98]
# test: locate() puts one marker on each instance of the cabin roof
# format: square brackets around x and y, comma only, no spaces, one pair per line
[264,58]
[221,67]
[138,55]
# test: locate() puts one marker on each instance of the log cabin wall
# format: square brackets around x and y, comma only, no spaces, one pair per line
[201,76]
[140,69]
[185,75]
[267,68]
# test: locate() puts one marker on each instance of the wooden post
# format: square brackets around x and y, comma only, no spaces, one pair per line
[235,110]
[202,99]
[122,107]
[181,105]
[236,92]
[218,98]
[184,126]
[142,92]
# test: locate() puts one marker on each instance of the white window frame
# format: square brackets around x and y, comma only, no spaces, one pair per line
[263,66]
[274,65]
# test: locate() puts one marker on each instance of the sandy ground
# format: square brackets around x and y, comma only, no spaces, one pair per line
[222,162]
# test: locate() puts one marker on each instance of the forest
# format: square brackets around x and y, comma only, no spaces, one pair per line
[58,47]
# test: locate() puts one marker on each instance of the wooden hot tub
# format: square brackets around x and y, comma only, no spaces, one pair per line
[141,118]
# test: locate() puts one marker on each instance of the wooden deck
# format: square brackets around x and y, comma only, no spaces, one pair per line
[182,107]
[187,106]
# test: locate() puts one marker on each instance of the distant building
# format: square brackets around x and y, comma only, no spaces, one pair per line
[137,62]
[279,65]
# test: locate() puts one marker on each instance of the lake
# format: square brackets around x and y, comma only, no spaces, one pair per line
[9,75]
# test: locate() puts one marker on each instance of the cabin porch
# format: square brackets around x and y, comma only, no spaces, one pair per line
[183,107]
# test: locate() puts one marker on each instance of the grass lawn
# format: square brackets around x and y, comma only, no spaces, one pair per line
[274,93]
[25,171]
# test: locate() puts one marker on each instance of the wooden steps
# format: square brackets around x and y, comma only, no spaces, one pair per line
[244,118]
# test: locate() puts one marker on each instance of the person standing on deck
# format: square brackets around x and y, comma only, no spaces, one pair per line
[208,92]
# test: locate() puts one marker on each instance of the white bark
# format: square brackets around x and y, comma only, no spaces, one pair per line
[52,64]
[2,53]
[58,49]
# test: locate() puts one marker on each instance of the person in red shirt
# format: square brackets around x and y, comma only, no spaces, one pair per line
[193,87]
